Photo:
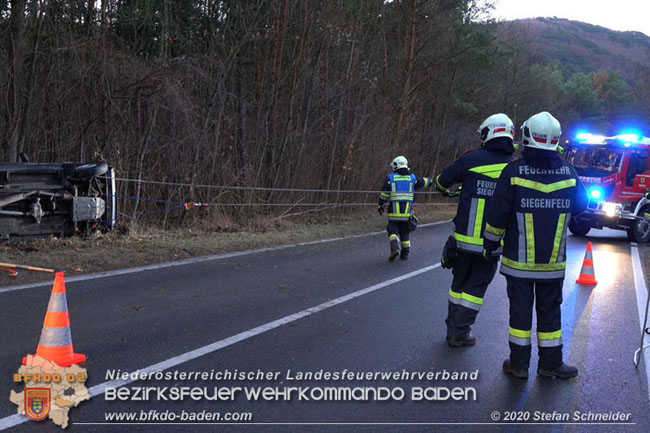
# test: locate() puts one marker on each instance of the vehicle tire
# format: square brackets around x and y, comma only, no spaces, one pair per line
[578,229]
[86,171]
[640,231]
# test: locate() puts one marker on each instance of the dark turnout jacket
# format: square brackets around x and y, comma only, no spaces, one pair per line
[478,172]
[530,211]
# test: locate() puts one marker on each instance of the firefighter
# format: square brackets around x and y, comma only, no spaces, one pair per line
[529,214]
[478,172]
[397,190]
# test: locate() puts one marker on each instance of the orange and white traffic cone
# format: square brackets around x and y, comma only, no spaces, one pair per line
[55,344]
[587,275]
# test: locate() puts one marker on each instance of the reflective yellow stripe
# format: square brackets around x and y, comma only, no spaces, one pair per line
[533,266]
[542,187]
[455,295]
[426,182]
[472,299]
[479,217]
[493,171]
[530,238]
[557,241]
[406,243]
[401,196]
[439,186]
[555,335]
[393,237]
[384,194]
[494,230]
[468,239]
[401,178]
[520,333]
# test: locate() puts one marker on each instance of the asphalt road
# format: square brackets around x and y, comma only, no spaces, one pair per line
[240,312]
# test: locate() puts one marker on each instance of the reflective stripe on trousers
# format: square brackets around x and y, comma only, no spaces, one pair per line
[520,337]
[549,339]
[466,300]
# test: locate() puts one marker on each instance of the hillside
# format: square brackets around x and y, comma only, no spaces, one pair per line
[581,47]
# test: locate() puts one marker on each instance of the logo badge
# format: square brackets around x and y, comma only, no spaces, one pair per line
[37,403]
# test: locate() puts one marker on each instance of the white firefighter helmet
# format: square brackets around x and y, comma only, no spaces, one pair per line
[541,131]
[399,162]
[497,125]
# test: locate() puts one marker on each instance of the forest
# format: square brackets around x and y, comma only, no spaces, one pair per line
[278,94]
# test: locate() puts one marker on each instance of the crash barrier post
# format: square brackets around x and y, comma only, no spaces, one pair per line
[55,343]
[587,275]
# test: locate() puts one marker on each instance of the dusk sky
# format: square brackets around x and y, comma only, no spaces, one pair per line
[624,15]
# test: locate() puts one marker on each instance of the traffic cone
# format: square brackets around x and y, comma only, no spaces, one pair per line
[587,275]
[55,344]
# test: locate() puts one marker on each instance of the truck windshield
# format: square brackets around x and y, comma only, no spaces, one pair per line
[596,161]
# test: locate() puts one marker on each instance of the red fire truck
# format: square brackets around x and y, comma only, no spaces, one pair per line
[616,172]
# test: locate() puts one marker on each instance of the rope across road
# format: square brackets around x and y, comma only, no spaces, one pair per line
[259,188]
[320,205]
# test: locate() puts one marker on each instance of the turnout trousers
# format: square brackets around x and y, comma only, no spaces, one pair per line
[472,275]
[547,297]
[398,234]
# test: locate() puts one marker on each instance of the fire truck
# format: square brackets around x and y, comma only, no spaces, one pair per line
[616,172]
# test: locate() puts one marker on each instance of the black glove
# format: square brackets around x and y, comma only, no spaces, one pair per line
[489,247]
[380,209]
[455,193]
[449,253]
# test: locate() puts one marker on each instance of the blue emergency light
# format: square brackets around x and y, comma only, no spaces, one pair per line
[595,193]
[628,138]
[588,137]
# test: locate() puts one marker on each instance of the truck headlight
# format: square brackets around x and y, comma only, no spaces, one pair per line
[611,209]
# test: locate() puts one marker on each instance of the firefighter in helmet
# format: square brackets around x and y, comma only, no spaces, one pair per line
[397,190]
[478,172]
[529,214]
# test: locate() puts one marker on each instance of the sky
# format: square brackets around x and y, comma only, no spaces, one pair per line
[624,15]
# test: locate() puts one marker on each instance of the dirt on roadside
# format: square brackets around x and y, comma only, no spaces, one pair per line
[140,245]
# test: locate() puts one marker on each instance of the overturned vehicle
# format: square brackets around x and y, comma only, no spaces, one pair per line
[58,199]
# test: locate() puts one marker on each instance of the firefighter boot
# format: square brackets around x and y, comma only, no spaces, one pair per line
[406,249]
[563,371]
[394,248]
[516,372]
[461,340]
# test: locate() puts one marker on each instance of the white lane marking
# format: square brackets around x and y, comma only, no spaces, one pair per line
[96,390]
[193,260]
[641,301]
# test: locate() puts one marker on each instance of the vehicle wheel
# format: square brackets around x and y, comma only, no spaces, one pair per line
[640,231]
[578,229]
[86,171]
